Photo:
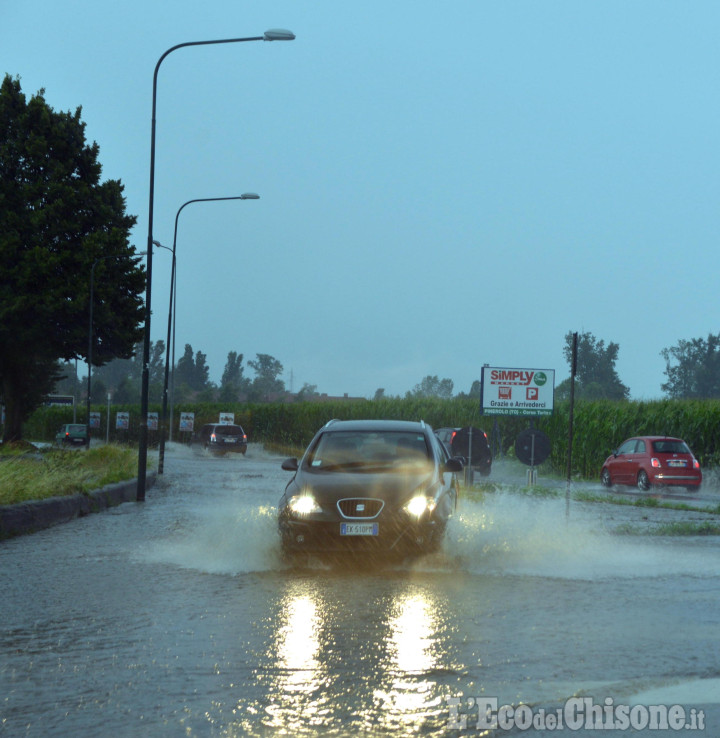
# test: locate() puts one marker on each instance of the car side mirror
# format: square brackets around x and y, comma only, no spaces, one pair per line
[290,464]
[453,465]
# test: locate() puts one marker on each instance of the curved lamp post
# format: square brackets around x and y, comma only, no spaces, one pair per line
[271,35]
[171,314]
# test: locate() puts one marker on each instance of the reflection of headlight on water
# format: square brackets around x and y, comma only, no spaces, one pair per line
[410,694]
[303,505]
[298,643]
[419,504]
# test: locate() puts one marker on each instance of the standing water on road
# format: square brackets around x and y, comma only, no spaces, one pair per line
[179,616]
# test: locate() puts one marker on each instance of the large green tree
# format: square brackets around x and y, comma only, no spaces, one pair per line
[693,368]
[596,377]
[266,383]
[233,383]
[57,219]
[192,370]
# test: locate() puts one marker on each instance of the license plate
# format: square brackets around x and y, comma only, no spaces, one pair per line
[359,529]
[676,462]
[231,440]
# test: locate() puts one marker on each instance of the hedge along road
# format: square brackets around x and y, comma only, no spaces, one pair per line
[178,615]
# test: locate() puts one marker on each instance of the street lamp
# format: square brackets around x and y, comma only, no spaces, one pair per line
[90,341]
[171,314]
[274,34]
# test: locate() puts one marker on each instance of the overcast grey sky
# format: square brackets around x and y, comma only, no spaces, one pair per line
[442,185]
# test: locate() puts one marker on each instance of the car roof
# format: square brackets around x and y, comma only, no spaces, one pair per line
[375,425]
[656,438]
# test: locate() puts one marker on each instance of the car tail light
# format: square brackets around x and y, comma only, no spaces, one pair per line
[655,463]
[696,464]
[213,439]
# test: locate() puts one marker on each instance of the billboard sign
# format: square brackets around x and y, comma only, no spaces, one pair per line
[517,391]
[54,400]
[187,422]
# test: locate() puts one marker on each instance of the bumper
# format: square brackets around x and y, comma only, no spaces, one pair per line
[683,479]
[394,537]
[220,448]
[74,441]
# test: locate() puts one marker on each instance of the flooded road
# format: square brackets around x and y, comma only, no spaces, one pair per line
[178,617]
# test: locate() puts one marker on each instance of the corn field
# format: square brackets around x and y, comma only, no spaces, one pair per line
[599,426]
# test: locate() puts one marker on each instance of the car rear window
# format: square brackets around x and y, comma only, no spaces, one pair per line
[76,429]
[228,430]
[670,447]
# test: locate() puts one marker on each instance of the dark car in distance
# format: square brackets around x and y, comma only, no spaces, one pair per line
[72,434]
[221,438]
[652,461]
[369,486]
[474,447]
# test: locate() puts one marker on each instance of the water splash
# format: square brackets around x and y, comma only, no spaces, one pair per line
[515,535]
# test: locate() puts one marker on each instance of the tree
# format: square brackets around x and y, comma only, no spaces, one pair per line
[596,377]
[379,394]
[432,387]
[192,370]
[475,391]
[232,382]
[307,393]
[57,219]
[69,383]
[266,382]
[697,371]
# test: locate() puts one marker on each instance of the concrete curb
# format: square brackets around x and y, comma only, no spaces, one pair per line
[29,517]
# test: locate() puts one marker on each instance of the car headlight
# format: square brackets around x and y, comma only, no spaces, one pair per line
[304,504]
[419,504]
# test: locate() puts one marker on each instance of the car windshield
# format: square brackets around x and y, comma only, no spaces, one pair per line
[670,447]
[368,450]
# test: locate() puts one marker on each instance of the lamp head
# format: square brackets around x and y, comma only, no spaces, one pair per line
[249,196]
[278,34]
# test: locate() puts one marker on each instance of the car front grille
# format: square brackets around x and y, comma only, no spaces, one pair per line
[360,507]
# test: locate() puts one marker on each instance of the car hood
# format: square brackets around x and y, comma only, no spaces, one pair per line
[395,486]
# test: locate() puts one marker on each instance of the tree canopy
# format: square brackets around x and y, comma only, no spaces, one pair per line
[266,383]
[693,368]
[432,386]
[57,220]
[596,377]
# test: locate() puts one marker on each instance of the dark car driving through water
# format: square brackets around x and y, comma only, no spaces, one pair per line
[364,486]
[221,438]
[469,444]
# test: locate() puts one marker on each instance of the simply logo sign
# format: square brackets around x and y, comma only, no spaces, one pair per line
[507,391]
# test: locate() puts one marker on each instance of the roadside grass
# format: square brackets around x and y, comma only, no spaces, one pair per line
[643,502]
[59,472]
[706,528]
[478,493]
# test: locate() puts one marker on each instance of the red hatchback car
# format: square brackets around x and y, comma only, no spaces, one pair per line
[648,461]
